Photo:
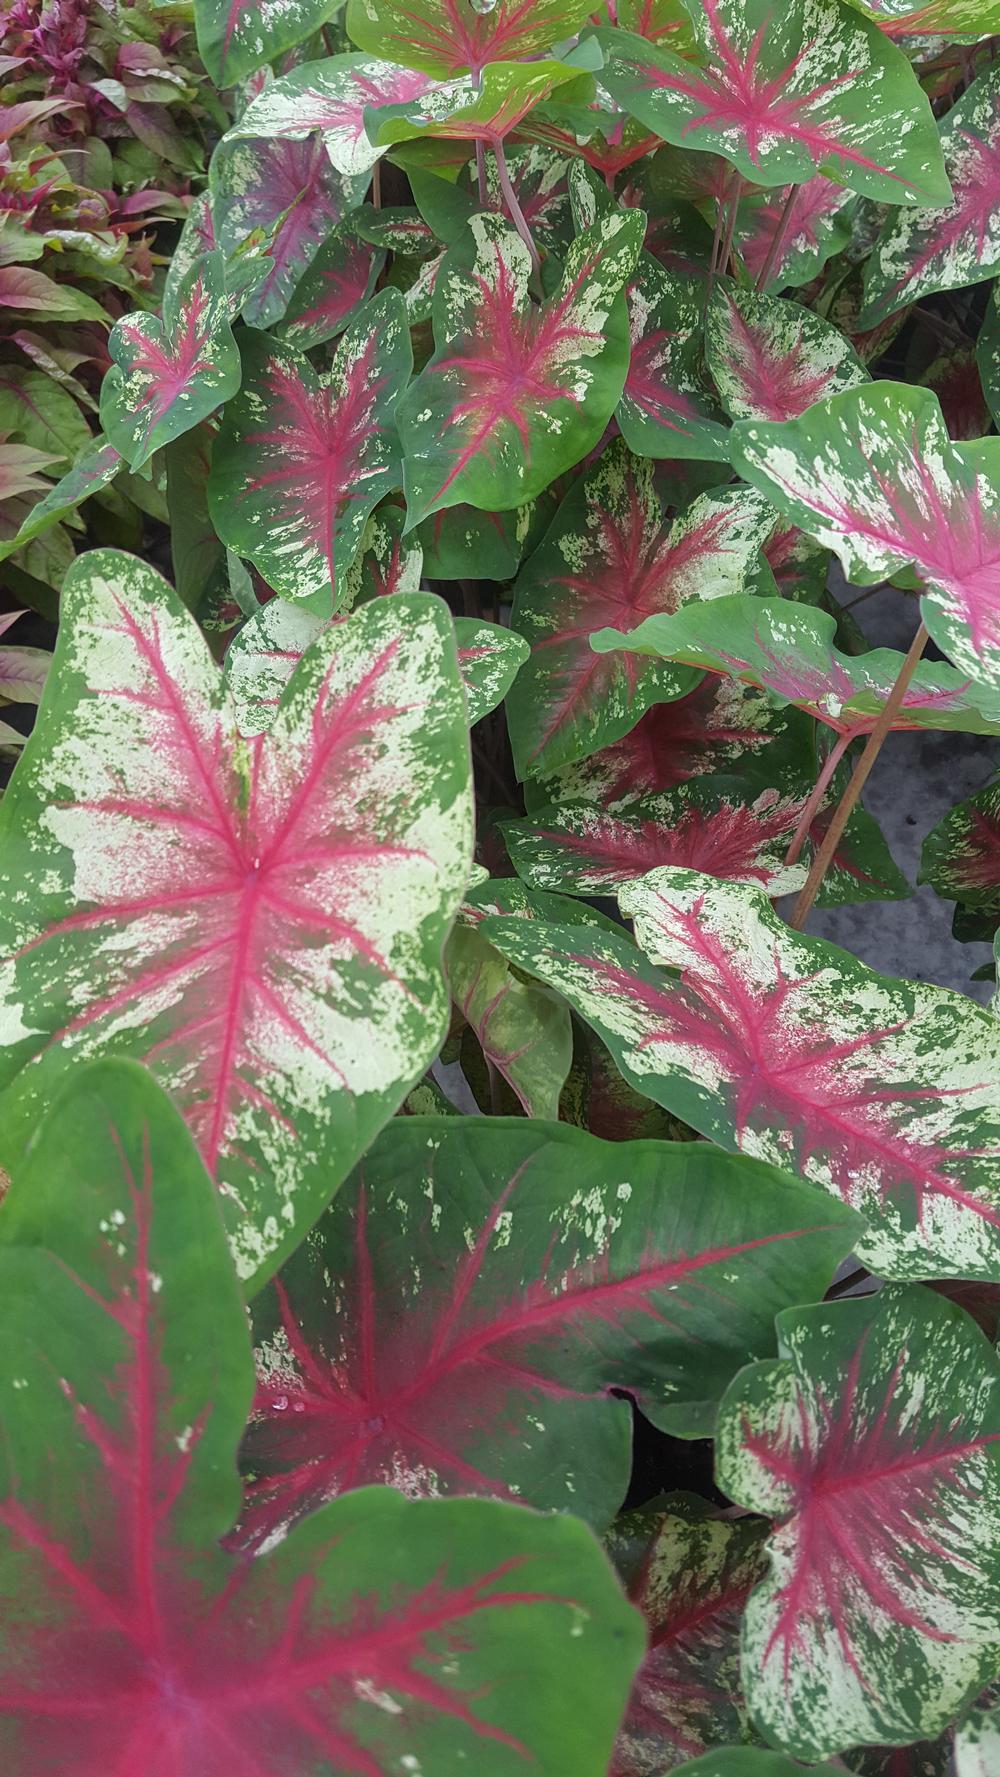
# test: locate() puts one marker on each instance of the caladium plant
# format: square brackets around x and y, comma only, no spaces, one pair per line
[428,1137]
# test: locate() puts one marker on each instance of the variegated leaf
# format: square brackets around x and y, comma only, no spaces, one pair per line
[489,659]
[260,922]
[524,1032]
[610,553]
[457,1321]
[287,194]
[482,109]
[235,37]
[329,293]
[377,1639]
[884,1092]
[690,1572]
[977,1744]
[872,475]
[449,36]
[668,406]
[461,543]
[168,374]
[515,394]
[771,359]
[786,94]
[963,21]
[330,96]
[817,227]
[961,855]
[302,459]
[874,1442]
[946,249]
[788,650]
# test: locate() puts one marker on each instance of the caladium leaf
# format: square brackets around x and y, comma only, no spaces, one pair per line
[460,543]
[330,96]
[610,553]
[961,20]
[740,1041]
[668,406]
[95,469]
[771,359]
[872,475]
[881,1611]
[788,650]
[690,1573]
[708,824]
[977,1743]
[945,249]
[515,394]
[130,1641]
[489,660]
[289,195]
[168,888]
[301,459]
[817,227]
[988,355]
[326,297]
[714,727]
[449,36]
[169,374]
[954,378]
[524,1032]
[784,95]
[961,855]
[658,20]
[484,109]
[235,37]
[458,1318]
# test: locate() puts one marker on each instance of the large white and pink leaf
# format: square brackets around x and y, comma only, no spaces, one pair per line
[788,651]
[287,196]
[168,373]
[377,1636]
[458,1319]
[784,94]
[448,37]
[516,393]
[690,1572]
[610,552]
[330,96]
[873,475]
[261,922]
[770,358]
[874,1442]
[946,249]
[885,1093]
[302,459]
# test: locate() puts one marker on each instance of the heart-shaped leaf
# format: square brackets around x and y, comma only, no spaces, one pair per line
[378,1633]
[458,1318]
[875,1443]
[515,394]
[610,553]
[771,359]
[786,94]
[288,194]
[873,475]
[328,294]
[668,407]
[961,855]
[235,37]
[169,374]
[788,650]
[489,660]
[690,1573]
[946,249]
[884,1092]
[460,543]
[262,923]
[302,459]
[450,36]
[330,96]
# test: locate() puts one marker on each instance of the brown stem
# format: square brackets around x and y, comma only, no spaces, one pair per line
[514,209]
[812,806]
[727,243]
[716,238]
[777,239]
[824,857]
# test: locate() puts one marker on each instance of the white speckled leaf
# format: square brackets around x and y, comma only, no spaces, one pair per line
[331,97]
[886,1093]
[486,109]
[668,406]
[260,921]
[235,37]
[946,249]
[977,1744]
[771,359]
[489,659]
[169,374]
[818,226]
[962,21]
[515,394]
[449,36]
[610,554]
[302,459]
[872,475]
[784,93]
[874,1442]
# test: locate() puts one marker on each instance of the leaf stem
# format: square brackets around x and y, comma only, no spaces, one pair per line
[514,209]
[484,196]
[812,806]
[719,258]
[824,857]
[777,239]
